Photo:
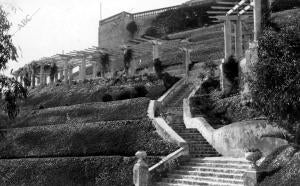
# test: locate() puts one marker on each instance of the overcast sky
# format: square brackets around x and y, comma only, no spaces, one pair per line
[64,25]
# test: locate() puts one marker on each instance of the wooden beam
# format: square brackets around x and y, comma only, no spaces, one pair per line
[216,12]
[231,18]
[220,8]
[226,3]
[236,7]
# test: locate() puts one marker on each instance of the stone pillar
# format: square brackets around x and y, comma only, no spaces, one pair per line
[141,170]
[155,49]
[95,69]
[82,73]
[33,79]
[42,75]
[257,18]
[227,38]
[56,77]
[238,39]
[66,71]
[61,74]
[187,60]
[70,69]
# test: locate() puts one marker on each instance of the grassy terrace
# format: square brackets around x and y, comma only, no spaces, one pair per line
[132,109]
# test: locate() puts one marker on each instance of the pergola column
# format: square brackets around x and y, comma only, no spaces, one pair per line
[61,74]
[70,69]
[42,75]
[83,69]
[95,69]
[257,19]
[33,78]
[66,71]
[155,49]
[227,38]
[187,60]
[238,38]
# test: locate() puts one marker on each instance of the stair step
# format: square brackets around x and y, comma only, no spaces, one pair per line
[204,184]
[219,169]
[218,165]
[221,160]
[197,155]
[200,178]
[210,174]
[197,182]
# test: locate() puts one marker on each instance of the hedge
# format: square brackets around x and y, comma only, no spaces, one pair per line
[97,170]
[89,112]
[123,138]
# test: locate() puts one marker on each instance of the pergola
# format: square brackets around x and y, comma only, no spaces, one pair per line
[237,11]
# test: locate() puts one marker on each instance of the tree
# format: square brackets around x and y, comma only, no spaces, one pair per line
[128,56]
[275,81]
[132,28]
[9,87]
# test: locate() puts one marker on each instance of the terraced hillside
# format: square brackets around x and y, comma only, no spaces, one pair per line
[78,144]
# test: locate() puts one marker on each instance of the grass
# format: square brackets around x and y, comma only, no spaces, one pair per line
[123,138]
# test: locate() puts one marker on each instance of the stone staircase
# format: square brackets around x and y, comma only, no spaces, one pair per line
[205,166]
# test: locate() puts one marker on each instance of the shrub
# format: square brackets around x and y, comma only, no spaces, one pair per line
[209,85]
[107,98]
[275,84]
[158,67]
[141,91]
[231,69]
[124,95]
[169,80]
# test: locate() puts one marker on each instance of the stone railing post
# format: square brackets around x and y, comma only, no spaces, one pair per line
[251,175]
[141,170]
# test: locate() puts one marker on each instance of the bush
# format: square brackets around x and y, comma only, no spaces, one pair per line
[124,95]
[141,91]
[169,80]
[275,84]
[231,70]
[158,67]
[209,85]
[107,98]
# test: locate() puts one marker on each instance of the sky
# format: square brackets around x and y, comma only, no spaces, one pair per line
[42,28]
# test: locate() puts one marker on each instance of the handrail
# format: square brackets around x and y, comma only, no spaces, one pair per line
[180,152]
